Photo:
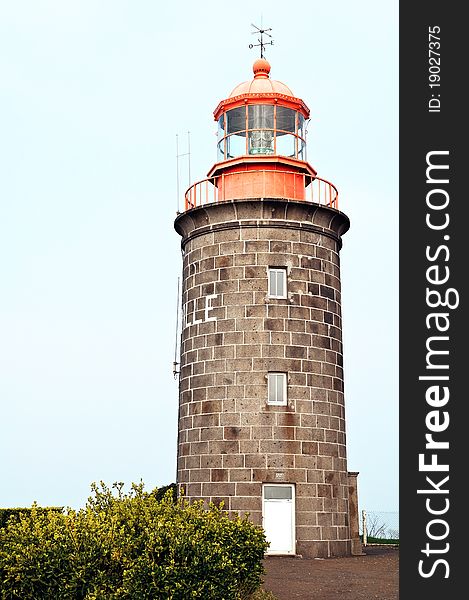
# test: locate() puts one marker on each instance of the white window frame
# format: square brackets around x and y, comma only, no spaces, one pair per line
[277,271]
[272,380]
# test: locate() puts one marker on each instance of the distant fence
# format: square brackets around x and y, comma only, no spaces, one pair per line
[379,525]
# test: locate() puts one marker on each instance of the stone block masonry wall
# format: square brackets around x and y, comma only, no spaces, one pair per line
[230,440]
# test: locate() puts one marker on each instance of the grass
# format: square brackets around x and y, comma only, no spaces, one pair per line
[383,541]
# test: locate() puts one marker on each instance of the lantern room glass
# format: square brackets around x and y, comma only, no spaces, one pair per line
[261,130]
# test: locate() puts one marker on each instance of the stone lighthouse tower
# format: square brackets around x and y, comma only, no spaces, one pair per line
[261,392]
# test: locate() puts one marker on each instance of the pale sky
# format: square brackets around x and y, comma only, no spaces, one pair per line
[92,95]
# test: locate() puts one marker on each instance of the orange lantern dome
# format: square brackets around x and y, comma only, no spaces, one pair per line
[261,84]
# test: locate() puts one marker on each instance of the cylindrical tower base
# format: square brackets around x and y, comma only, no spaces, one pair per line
[235,445]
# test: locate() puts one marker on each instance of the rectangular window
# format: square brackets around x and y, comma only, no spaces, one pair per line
[277,282]
[278,492]
[277,389]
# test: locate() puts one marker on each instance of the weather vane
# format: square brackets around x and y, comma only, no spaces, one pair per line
[261,43]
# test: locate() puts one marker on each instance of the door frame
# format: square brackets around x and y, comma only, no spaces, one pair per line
[293,519]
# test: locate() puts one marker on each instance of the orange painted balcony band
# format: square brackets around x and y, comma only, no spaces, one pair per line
[265,183]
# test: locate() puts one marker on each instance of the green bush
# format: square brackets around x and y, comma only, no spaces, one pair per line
[130,546]
[6,513]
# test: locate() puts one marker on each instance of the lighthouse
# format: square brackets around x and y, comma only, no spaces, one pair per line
[261,385]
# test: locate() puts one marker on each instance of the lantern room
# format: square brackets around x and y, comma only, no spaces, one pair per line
[261,117]
[261,147]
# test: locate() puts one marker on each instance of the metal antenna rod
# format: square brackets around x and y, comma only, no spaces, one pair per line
[175,363]
[189,155]
[178,156]
[177,175]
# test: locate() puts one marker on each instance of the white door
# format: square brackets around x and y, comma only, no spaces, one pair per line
[279,517]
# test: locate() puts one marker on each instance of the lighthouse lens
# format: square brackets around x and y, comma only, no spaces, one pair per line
[260,116]
[261,129]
